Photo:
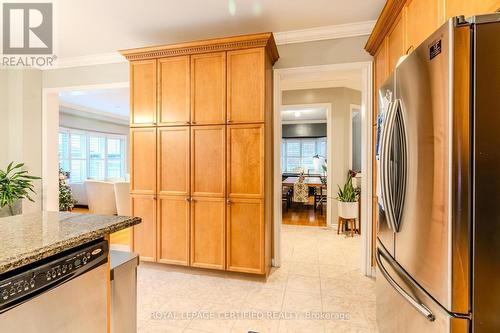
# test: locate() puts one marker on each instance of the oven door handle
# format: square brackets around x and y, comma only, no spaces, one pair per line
[424,310]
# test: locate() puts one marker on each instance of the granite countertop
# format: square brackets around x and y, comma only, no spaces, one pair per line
[27,238]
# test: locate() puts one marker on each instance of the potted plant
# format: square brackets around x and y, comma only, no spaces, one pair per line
[15,184]
[348,200]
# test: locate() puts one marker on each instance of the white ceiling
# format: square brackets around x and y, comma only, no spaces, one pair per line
[89,27]
[112,102]
[349,78]
[303,114]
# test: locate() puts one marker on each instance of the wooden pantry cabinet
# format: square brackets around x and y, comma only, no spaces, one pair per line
[201,152]
[208,88]
[401,27]
[174,97]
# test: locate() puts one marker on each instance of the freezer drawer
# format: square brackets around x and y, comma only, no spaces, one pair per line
[403,307]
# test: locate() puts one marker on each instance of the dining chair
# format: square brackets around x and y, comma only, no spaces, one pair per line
[101,197]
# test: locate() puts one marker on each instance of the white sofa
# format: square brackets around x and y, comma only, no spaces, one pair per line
[122,198]
[101,197]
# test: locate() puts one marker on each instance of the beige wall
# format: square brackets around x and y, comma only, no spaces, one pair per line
[21,124]
[86,75]
[332,51]
[340,99]
[291,55]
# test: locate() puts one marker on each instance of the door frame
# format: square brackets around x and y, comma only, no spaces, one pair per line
[366,68]
[351,108]
[50,133]
[329,126]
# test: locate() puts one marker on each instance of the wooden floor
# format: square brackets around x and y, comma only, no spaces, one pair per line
[303,215]
[121,237]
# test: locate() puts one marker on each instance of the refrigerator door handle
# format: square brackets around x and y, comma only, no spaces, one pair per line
[424,310]
[387,200]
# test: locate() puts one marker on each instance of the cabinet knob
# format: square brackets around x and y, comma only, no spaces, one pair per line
[228,201]
[188,199]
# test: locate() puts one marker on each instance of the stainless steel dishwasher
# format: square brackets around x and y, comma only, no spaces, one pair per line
[62,293]
[123,267]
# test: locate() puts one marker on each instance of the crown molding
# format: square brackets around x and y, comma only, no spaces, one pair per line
[327,32]
[90,60]
[207,45]
[390,13]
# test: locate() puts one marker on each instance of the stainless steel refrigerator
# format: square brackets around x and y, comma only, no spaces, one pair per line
[438,188]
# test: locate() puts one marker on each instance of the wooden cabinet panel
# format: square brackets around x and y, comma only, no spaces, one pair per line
[144,234]
[174,92]
[245,86]
[421,20]
[143,160]
[470,7]
[208,88]
[396,43]
[381,74]
[143,92]
[208,158]
[245,161]
[173,230]
[245,235]
[208,232]
[173,160]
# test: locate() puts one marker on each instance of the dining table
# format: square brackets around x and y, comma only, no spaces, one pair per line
[309,181]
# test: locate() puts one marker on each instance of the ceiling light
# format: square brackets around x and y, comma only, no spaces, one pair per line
[77,93]
[231,5]
[256,9]
[297,114]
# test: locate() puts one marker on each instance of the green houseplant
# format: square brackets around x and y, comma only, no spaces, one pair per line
[15,184]
[347,197]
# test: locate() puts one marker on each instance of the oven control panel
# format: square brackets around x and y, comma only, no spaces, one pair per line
[51,271]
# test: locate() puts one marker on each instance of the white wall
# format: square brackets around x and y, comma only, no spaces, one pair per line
[20,125]
[340,98]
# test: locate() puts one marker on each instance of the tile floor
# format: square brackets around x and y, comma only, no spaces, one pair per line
[320,275]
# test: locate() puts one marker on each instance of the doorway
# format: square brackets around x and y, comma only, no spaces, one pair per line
[304,154]
[306,79]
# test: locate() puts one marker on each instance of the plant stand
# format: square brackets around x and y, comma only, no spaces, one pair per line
[343,221]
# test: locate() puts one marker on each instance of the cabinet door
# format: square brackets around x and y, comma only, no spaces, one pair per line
[144,240]
[208,157]
[208,88]
[143,92]
[208,232]
[143,160]
[421,21]
[173,230]
[174,91]
[470,7]
[173,160]
[395,42]
[245,161]
[245,235]
[245,86]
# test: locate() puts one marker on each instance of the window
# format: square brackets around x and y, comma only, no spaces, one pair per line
[91,155]
[298,153]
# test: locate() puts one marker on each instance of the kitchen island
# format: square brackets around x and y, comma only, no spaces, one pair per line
[54,269]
